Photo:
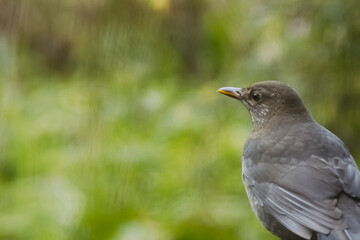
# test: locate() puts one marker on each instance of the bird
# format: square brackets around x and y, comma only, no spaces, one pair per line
[300,178]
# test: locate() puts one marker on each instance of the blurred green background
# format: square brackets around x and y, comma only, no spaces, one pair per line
[111,127]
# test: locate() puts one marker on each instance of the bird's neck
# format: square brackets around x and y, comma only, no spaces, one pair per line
[262,126]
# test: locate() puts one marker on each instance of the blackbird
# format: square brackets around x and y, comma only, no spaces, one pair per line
[301,180]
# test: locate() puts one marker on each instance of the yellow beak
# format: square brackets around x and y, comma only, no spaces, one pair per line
[231,92]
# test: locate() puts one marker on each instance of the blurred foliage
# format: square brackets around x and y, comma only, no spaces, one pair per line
[111,127]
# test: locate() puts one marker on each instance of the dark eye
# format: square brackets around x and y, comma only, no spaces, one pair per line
[256,96]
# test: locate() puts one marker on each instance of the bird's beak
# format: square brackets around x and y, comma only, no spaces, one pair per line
[231,92]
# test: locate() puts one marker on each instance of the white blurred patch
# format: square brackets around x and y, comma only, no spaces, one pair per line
[180,116]
[269,51]
[238,134]
[62,200]
[224,211]
[298,28]
[138,231]
[152,100]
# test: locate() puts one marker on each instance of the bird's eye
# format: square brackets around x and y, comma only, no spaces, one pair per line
[256,96]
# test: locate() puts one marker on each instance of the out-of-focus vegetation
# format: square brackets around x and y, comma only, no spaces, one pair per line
[111,127]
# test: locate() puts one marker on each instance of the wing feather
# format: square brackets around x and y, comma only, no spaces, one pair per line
[291,199]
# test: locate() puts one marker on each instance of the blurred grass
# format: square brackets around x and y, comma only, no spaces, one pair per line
[92,160]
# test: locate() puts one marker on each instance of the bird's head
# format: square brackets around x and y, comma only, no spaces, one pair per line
[269,101]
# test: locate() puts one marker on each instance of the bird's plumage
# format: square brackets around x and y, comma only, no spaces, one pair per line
[300,178]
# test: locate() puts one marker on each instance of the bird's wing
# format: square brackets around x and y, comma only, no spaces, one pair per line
[299,194]
[349,175]
[344,166]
